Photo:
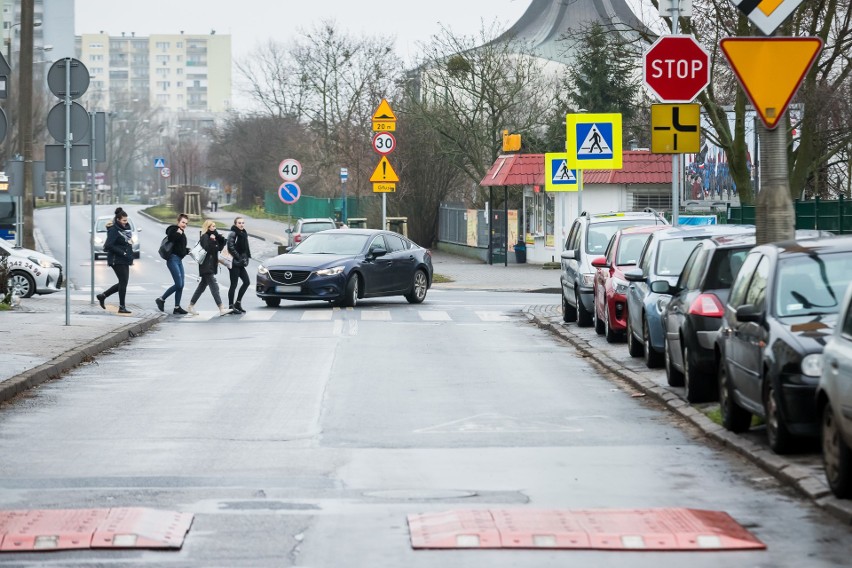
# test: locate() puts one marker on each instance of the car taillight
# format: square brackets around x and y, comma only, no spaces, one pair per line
[707,305]
[297,238]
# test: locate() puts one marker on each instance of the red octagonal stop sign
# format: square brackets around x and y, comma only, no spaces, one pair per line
[676,68]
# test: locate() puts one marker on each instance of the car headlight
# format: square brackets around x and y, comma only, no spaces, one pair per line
[330,271]
[99,240]
[619,286]
[134,239]
[588,279]
[812,365]
[262,270]
[42,263]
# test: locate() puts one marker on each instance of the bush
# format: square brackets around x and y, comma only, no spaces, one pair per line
[5,291]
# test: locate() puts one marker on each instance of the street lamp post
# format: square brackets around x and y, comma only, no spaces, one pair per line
[25,115]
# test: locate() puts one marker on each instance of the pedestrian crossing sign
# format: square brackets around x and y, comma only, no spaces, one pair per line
[559,177]
[593,141]
[159,163]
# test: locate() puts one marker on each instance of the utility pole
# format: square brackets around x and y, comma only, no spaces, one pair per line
[25,117]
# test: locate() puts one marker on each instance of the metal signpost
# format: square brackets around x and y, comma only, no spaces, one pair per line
[384,177]
[68,79]
[344,175]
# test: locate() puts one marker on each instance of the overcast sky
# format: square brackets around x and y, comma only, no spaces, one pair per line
[250,22]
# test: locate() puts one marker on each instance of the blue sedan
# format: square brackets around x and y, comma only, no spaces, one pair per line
[342,266]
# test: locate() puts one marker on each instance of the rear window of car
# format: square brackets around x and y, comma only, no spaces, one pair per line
[672,255]
[809,285]
[315,226]
[630,248]
[724,268]
[599,234]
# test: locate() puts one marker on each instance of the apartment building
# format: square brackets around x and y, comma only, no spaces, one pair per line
[175,73]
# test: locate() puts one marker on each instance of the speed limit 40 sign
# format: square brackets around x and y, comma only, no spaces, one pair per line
[290,169]
[384,143]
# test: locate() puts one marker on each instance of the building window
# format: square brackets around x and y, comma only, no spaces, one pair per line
[163,99]
[162,59]
[162,45]
[163,85]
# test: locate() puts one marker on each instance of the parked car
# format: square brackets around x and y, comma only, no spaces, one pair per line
[834,403]
[610,312]
[99,238]
[781,311]
[306,227]
[588,238]
[30,272]
[692,317]
[662,259]
[346,265]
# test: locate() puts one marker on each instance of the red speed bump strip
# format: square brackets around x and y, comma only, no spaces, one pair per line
[602,529]
[64,529]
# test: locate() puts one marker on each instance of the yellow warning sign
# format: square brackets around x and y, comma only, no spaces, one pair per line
[384,112]
[384,126]
[384,173]
[384,188]
[770,69]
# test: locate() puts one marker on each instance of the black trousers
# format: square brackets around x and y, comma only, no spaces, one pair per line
[237,273]
[122,271]
[207,281]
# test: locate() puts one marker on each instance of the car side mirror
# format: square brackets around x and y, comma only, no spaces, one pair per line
[634,275]
[568,254]
[600,262]
[662,287]
[749,313]
[377,252]
[289,230]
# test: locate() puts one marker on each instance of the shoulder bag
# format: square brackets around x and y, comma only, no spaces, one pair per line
[198,253]
[166,248]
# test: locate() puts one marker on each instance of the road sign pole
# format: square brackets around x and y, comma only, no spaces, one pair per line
[68,191]
[385,211]
[675,157]
[92,199]
[579,192]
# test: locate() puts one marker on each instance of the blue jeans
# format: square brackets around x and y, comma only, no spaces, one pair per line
[175,264]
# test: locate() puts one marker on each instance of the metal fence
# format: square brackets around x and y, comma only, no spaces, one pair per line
[833,215]
[307,207]
[455,226]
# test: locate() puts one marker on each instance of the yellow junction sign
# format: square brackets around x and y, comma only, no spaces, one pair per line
[770,69]
[675,128]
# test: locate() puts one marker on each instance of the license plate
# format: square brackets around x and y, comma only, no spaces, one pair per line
[288,289]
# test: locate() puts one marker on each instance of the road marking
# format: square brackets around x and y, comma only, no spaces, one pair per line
[434,315]
[317,315]
[256,315]
[492,316]
[493,423]
[378,315]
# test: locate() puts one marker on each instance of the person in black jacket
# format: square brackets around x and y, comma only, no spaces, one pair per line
[238,248]
[176,235]
[212,242]
[119,249]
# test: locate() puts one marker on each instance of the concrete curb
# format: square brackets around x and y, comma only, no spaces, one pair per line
[65,362]
[785,471]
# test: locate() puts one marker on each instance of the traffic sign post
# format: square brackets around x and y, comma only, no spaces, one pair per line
[675,128]
[384,119]
[558,176]
[289,192]
[290,169]
[676,68]
[384,143]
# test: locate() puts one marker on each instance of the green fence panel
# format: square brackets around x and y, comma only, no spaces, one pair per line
[827,215]
[308,206]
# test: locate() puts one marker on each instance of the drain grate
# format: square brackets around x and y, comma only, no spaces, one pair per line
[605,529]
[65,529]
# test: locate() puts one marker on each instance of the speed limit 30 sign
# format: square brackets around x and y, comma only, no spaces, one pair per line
[384,143]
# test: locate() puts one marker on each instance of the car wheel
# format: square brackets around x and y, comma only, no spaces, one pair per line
[350,297]
[611,335]
[836,456]
[673,376]
[696,384]
[418,288]
[634,347]
[779,438]
[22,284]
[272,302]
[734,417]
[653,358]
[569,314]
[584,318]
[600,326]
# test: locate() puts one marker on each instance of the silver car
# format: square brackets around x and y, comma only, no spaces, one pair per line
[100,236]
[30,272]
[834,403]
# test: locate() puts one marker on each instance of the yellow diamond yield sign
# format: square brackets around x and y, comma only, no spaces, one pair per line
[384,172]
[770,69]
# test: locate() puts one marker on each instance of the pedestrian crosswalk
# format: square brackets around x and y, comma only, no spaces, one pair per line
[319,315]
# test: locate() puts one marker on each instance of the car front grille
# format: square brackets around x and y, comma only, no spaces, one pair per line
[289,276]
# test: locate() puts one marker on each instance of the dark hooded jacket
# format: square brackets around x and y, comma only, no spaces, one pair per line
[118,245]
[238,247]
[178,239]
[212,243]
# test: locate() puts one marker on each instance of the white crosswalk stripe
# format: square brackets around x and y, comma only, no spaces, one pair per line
[434,315]
[492,316]
[257,315]
[317,315]
[377,315]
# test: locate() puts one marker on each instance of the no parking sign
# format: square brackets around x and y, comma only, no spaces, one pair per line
[289,192]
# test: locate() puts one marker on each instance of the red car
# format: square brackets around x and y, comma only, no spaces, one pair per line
[610,286]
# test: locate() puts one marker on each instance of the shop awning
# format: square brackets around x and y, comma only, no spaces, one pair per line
[516,169]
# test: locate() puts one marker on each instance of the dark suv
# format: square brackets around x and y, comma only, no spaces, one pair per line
[588,239]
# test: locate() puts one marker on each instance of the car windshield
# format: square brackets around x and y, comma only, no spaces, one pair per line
[316,227]
[672,255]
[812,284]
[598,234]
[331,243]
[630,247]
